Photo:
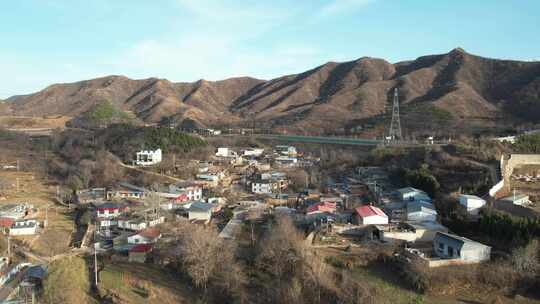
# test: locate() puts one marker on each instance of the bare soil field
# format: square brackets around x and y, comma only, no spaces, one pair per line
[31,122]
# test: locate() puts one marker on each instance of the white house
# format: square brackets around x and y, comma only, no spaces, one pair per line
[472,202]
[286,150]
[192,190]
[148,157]
[24,227]
[371,215]
[106,223]
[253,152]
[226,152]
[421,212]
[146,236]
[108,210]
[263,187]
[15,211]
[135,224]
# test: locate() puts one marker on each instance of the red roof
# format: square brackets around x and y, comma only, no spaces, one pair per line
[141,248]
[366,211]
[6,222]
[322,207]
[181,198]
[150,233]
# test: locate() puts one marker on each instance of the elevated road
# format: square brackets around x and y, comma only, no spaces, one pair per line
[321,139]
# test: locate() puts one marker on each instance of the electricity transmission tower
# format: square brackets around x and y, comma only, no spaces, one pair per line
[394,133]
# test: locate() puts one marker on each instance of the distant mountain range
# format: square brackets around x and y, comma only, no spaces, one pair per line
[451,90]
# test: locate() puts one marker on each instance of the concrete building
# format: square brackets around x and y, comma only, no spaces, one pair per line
[15,211]
[226,152]
[148,157]
[421,212]
[371,215]
[146,236]
[286,150]
[473,203]
[256,152]
[108,210]
[263,187]
[24,227]
[191,190]
[123,192]
[449,246]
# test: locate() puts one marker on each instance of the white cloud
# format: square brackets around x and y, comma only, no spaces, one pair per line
[336,7]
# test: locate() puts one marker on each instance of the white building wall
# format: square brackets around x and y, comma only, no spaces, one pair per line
[261,188]
[421,216]
[148,157]
[473,205]
[200,215]
[23,231]
[373,220]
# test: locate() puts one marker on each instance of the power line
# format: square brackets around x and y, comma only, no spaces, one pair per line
[394,133]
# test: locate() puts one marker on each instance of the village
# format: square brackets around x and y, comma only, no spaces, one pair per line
[240,192]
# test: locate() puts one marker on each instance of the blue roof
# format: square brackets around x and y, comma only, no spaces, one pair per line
[201,206]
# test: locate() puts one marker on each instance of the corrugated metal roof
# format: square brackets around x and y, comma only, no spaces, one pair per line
[366,211]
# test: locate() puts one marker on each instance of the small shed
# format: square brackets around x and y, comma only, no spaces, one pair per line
[473,203]
[371,215]
[139,253]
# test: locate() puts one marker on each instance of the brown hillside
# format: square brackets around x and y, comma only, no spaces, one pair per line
[456,86]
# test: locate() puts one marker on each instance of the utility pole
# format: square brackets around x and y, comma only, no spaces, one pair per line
[394,133]
[46,216]
[9,249]
[95,260]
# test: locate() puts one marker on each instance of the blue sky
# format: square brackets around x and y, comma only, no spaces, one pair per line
[49,41]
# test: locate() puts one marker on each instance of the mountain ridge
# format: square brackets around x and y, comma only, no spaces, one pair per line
[332,96]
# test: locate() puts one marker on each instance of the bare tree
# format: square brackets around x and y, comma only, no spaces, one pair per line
[205,256]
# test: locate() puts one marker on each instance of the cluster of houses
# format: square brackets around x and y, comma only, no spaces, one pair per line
[17,220]
[372,209]
[127,222]
[126,219]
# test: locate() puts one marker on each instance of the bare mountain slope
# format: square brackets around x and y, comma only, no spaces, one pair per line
[330,97]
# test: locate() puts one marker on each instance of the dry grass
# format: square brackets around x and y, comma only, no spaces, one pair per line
[142,283]
[28,122]
[67,282]
[54,238]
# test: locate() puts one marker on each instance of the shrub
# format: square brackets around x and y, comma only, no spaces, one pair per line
[332,260]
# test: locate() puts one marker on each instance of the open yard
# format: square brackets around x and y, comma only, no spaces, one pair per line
[25,187]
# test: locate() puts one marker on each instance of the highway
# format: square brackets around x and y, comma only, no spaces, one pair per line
[321,139]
